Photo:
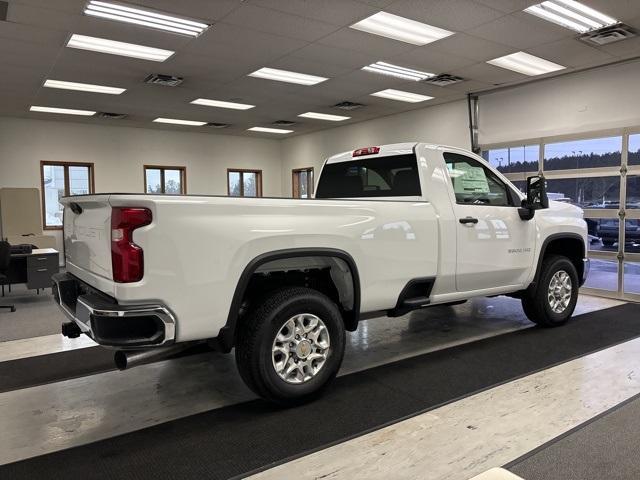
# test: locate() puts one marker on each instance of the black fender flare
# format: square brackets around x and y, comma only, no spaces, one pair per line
[226,336]
[545,244]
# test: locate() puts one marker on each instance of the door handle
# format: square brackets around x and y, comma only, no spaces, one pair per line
[468,220]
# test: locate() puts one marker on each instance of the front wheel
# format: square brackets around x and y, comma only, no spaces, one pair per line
[291,346]
[553,300]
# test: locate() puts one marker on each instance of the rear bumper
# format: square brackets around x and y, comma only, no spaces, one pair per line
[109,323]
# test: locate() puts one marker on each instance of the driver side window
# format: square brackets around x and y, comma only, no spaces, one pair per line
[475,184]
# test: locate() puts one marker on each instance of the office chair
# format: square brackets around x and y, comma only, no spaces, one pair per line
[5,259]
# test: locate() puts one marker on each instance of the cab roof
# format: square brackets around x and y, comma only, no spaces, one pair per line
[383,151]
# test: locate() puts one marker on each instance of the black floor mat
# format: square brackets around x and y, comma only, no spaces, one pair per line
[238,439]
[605,447]
[54,367]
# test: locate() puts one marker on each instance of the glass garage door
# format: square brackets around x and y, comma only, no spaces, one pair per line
[601,175]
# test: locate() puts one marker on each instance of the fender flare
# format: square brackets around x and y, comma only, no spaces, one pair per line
[226,336]
[545,244]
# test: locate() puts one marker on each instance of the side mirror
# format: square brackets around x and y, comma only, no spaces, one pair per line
[536,197]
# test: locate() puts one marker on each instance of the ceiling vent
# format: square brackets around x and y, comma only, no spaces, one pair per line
[607,35]
[165,80]
[217,125]
[4,7]
[111,115]
[283,123]
[444,79]
[348,105]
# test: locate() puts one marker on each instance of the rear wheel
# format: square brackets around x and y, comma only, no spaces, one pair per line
[291,346]
[552,302]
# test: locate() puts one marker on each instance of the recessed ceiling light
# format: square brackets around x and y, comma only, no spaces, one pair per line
[220,104]
[400,28]
[571,14]
[286,76]
[526,64]
[384,68]
[180,122]
[401,96]
[324,116]
[65,111]
[83,87]
[147,18]
[104,45]
[269,130]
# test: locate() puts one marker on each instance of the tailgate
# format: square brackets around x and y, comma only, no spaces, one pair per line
[87,235]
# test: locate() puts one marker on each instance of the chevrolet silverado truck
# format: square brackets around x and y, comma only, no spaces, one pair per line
[391,229]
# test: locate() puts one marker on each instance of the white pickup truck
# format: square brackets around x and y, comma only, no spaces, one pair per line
[391,229]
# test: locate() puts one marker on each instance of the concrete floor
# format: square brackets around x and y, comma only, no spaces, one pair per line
[60,415]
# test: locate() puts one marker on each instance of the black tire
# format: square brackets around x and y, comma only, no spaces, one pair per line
[608,242]
[256,335]
[535,303]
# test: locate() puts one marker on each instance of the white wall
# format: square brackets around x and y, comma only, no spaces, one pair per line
[604,98]
[119,154]
[447,124]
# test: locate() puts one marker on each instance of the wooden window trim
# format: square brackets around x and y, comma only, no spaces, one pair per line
[65,165]
[242,171]
[162,168]
[310,184]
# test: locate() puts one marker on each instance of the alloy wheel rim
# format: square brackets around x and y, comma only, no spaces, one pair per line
[301,348]
[559,292]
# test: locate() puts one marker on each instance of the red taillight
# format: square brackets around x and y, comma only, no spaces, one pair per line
[366,151]
[127,258]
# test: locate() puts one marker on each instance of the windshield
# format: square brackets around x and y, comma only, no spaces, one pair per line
[392,176]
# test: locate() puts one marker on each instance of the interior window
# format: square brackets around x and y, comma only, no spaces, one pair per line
[475,184]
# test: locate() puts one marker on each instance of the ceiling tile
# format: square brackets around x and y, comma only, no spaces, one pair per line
[233,44]
[455,15]
[430,60]
[484,72]
[570,53]
[625,49]
[337,12]
[520,31]
[350,39]
[316,52]
[508,6]
[471,47]
[311,67]
[279,23]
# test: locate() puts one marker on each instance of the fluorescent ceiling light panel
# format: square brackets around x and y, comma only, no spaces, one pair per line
[324,116]
[400,28]
[112,47]
[269,130]
[176,121]
[401,96]
[220,104]
[148,18]
[526,64]
[65,111]
[286,76]
[83,87]
[571,14]
[396,71]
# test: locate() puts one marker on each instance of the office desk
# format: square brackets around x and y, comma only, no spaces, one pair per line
[35,268]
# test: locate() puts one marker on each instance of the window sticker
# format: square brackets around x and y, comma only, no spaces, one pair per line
[468,179]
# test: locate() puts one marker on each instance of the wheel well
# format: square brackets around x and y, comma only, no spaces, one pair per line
[570,247]
[332,273]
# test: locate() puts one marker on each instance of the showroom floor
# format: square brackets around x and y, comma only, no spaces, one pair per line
[457,436]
